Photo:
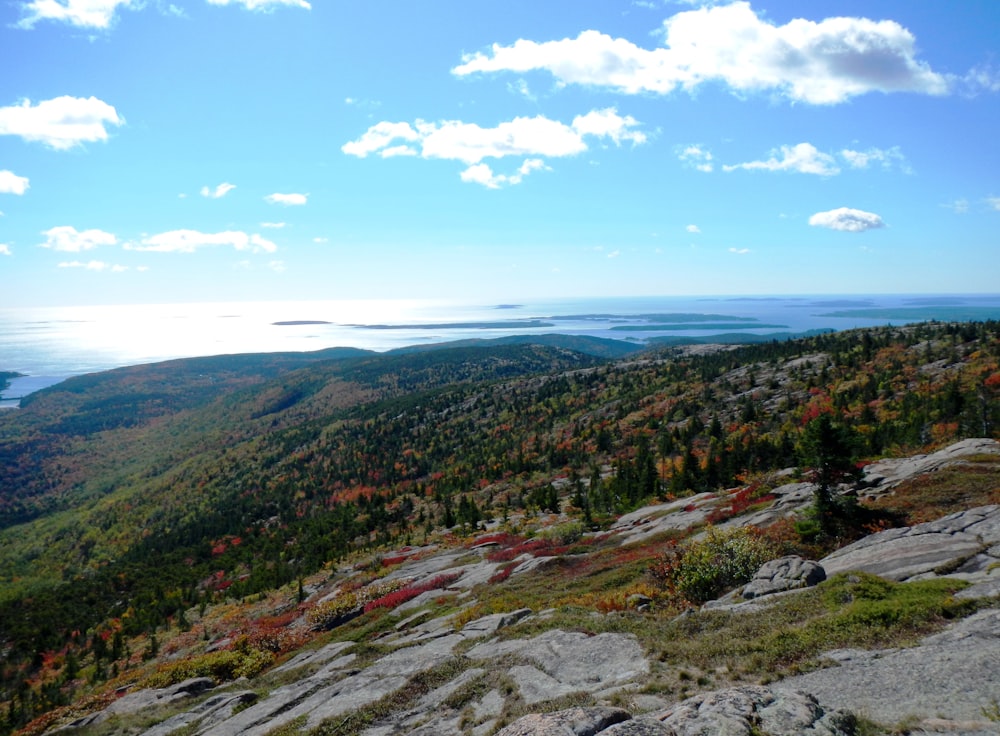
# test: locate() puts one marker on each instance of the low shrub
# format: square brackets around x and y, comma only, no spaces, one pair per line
[702,569]
[401,596]
[221,666]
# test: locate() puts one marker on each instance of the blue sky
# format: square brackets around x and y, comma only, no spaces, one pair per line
[202,150]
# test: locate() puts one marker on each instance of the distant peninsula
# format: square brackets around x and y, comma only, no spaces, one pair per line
[291,322]
[505,325]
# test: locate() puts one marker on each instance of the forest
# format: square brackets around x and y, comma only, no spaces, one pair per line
[130,497]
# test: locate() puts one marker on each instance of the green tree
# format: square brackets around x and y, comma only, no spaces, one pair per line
[828,450]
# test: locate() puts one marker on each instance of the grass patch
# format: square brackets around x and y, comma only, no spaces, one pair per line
[849,610]
[600,580]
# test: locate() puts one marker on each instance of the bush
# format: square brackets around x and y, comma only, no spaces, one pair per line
[565,533]
[348,604]
[220,666]
[701,570]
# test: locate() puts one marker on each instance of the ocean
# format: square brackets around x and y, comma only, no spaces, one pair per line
[50,344]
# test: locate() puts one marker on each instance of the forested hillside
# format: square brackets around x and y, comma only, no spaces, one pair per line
[128,497]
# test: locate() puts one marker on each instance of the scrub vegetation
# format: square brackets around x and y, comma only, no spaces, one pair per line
[152,512]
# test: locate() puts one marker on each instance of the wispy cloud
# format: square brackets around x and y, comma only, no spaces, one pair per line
[739,251]
[219,192]
[5,250]
[483,174]
[273,225]
[696,157]
[94,266]
[60,123]
[803,158]
[693,229]
[884,158]
[11,183]
[68,239]
[823,62]
[847,220]
[993,203]
[288,200]
[189,241]
[265,6]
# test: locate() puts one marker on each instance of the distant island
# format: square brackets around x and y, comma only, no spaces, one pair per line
[662,326]
[292,322]
[659,318]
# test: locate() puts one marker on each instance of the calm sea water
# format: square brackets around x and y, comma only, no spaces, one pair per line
[50,344]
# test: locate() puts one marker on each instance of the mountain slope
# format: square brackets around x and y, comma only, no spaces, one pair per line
[131,496]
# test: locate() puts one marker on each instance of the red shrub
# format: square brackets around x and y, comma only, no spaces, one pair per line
[503,573]
[401,596]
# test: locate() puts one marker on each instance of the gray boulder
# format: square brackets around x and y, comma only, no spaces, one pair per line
[784,573]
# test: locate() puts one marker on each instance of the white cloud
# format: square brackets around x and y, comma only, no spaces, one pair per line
[693,229]
[273,225]
[80,13]
[614,254]
[959,206]
[483,174]
[11,183]
[188,241]
[696,157]
[847,220]
[5,250]
[994,203]
[803,158]
[608,123]
[739,251]
[93,266]
[378,137]
[60,123]
[320,240]
[277,266]
[288,200]
[470,143]
[263,5]
[823,62]
[220,191]
[67,239]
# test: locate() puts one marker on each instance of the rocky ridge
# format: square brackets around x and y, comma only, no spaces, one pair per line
[433,676]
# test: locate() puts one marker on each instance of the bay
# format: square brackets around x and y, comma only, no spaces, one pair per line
[49,344]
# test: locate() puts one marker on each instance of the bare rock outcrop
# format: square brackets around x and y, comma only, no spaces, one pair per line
[965,544]
[732,712]
[950,676]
